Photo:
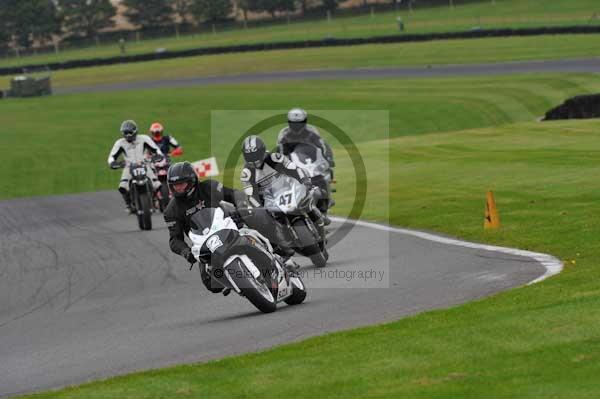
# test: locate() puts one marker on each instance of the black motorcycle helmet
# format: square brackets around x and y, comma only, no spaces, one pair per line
[254,151]
[179,174]
[129,130]
[297,118]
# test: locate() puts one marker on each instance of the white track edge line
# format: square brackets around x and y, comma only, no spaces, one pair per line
[552,265]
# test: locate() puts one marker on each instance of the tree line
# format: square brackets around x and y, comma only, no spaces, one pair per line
[25,22]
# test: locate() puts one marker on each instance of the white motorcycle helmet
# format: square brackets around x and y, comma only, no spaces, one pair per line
[297,118]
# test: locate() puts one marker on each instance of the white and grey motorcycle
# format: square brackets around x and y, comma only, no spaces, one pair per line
[242,260]
[287,203]
[312,160]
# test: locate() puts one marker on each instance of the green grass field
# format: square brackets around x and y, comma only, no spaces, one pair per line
[75,132]
[486,14]
[452,139]
[372,56]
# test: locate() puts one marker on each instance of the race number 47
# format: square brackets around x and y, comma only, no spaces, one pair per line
[285,199]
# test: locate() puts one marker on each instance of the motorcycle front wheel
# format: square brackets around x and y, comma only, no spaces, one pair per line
[164,200]
[257,292]
[144,213]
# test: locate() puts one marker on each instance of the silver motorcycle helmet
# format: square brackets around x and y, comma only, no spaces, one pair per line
[129,130]
[297,118]
[254,150]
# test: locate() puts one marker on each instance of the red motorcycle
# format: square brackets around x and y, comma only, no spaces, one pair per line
[161,165]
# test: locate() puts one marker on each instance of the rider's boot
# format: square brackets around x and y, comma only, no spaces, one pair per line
[288,264]
[284,252]
[326,220]
[316,216]
[291,266]
[127,199]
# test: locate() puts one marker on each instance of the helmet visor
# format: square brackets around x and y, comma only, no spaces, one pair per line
[297,126]
[256,164]
[255,158]
[181,188]
[129,135]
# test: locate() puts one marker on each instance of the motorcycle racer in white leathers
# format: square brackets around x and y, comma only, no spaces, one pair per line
[133,147]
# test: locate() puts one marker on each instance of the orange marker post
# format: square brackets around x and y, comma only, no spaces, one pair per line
[492,220]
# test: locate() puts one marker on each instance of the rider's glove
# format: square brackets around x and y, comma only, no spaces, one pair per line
[116,165]
[307,183]
[190,257]
[236,217]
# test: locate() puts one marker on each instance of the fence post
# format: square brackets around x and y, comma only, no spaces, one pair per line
[177,31]
[137,36]
[328,16]
[372,12]
[55,43]
[214,29]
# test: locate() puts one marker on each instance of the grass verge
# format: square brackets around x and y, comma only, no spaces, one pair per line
[74,133]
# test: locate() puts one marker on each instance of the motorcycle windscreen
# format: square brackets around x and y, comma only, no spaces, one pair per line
[284,195]
[306,153]
[202,220]
[311,159]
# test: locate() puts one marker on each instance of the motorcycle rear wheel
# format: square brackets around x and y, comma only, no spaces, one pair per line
[298,296]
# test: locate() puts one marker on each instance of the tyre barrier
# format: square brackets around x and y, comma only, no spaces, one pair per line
[578,107]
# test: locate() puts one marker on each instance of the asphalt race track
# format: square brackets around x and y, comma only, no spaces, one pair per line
[588,65]
[84,294]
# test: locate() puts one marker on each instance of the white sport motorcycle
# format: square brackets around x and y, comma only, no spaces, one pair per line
[312,160]
[242,260]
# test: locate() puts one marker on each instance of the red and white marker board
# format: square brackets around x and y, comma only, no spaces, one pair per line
[206,167]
